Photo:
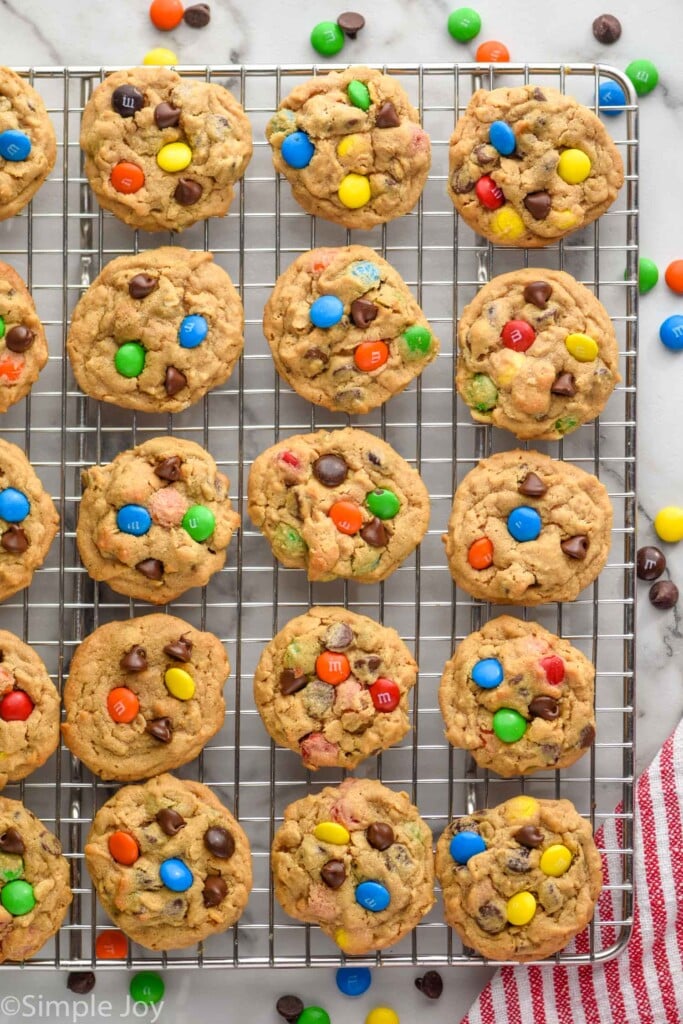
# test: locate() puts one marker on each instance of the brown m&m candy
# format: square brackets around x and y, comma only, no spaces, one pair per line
[650,563]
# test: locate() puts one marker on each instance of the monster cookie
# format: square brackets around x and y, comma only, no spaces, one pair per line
[28,521]
[157,330]
[345,331]
[34,882]
[351,146]
[29,710]
[169,862]
[155,521]
[144,696]
[28,147]
[521,879]
[162,152]
[526,529]
[338,503]
[519,698]
[357,860]
[23,347]
[537,354]
[528,165]
[334,686]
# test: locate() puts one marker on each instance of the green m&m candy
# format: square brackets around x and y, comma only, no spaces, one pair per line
[643,75]
[648,275]
[359,94]
[565,424]
[17,898]
[200,522]
[2,328]
[327,38]
[383,503]
[481,393]
[146,987]
[130,359]
[417,340]
[508,725]
[464,24]
[11,867]
[288,542]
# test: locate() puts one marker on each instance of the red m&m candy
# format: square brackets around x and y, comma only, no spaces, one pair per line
[488,193]
[553,666]
[291,459]
[111,944]
[518,335]
[15,706]
[385,694]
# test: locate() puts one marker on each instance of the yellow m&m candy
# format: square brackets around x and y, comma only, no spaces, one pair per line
[331,832]
[521,908]
[341,937]
[179,683]
[555,860]
[175,156]
[573,166]
[669,524]
[348,143]
[520,808]
[382,1015]
[566,220]
[507,224]
[582,347]
[354,191]
[508,366]
[160,56]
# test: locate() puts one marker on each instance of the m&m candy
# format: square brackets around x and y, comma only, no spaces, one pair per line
[611,98]
[382,1015]
[354,191]
[507,224]
[331,832]
[648,275]
[146,987]
[176,875]
[359,94]
[17,898]
[353,981]
[488,673]
[123,848]
[671,332]
[327,38]
[521,908]
[297,150]
[166,14]
[481,393]
[179,683]
[582,347]
[383,503]
[519,808]
[502,138]
[385,695]
[673,275]
[122,704]
[15,706]
[480,553]
[464,24]
[346,516]
[127,177]
[365,272]
[524,524]
[326,311]
[133,519]
[313,1015]
[464,845]
[370,355]
[553,666]
[200,522]
[488,193]
[518,335]
[160,56]
[669,524]
[14,505]
[492,52]
[15,146]
[192,331]
[555,860]
[643,75]
[111,944]
[130,359]
[332,667]
[508,725]
[175,156]
[417,339]
[574,166]
[373,896]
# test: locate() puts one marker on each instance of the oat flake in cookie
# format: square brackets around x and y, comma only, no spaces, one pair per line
[526,529]
[351,146]
[528,165]
[537,354]
[519,880]
[356,860]
[29,711]
[144,696]
[344,329]
[338,503]
[28,147]
[155,521]
[157,330]
[161,151]
[170,864]
[519,698]
[334,686]
[23,346]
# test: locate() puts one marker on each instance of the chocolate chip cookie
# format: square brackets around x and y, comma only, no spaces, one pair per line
[155,521]
[351,146]
[28,146]
[528,165]
[537,354]
[157,330]
[519,698]
[344,329]
[29,710]
[333,686]
[521,879]
[169,863]
[357,860]
[144,696]
[28,521]
[526,529]
[338,503]
[161,151]
[34,882]
[23,346]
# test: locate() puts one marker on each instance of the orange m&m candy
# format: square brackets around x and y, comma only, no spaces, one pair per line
[346,516]
[369,355]
[127,177]
[123,848]
[480,554]
[332,667]
[674,276]
[492,52]
[166,14]
[111,944]
[122,704]
[12,367]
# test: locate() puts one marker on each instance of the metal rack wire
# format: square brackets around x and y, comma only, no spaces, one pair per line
[62,241]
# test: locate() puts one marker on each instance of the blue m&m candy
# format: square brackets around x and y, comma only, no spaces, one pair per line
[365,272]
[133,519]
[373,896]
[326,311]
[464,845]
[488,673]
[14,505]
[671,332]
[14,145]
[502,138]
[353,981]
[611,95]
[297,150]
[192,331]
[175,875]
[524,523]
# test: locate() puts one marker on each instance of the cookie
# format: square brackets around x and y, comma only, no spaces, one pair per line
[333,686]
[345,331]
[351,146]
[526,529]
[528,165]
[169,863]
[28,521]
[357,860]
[537,354]
[34,882]
[155,521]
[161,151]
[29,710]
[519,880]
[23,346]
[338,503]
[144,696]
[157,330]
[518,698]
[28,146]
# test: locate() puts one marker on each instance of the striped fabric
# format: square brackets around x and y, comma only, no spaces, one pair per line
[645,984]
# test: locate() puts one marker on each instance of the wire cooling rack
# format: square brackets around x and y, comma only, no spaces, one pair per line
[60,243]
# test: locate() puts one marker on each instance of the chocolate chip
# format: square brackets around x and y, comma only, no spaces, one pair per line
[219,842]
[518,861]
[374,664]
[338,637]
[197,16]
[152,568]
[374,459]
[134,660]
[19,338]
[80,982]
[316,353]
[142,285]
[387,117]
[538,204]
[290,1008]
[606,29]
[14,540]
[462,183]
[291,683]
[180,649]
[650,563]
[491,918]
[484,154]
[169,821]
[333,873]
[564,385]
[546,708]
[576,547]
[188,192]
[529,835]
[430,984]
[363,312]
[350,22]
[11,842]
[126,100]
[380,835]
[539,95]
[174,381]
[586,736]
[330,470]
[538,293]
[166,115]
[215,890]
[161,729]
[374,533]
[663,594]
[532,486]
[169,469]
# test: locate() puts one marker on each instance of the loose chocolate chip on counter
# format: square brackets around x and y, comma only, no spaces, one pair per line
[430,984]
[290,1008]
[80,982]
[127,100]
[387,116]
[529,835]
[546,708]
[350,22]
[663,594]
[169,469]
[338,637]
[380,835]
[564,385]
[188,192]
[219,842]
[11,842]
[330,470]
[142,285]
[161,729]
[374,533]
[576,547]
[169,821]
[538,293]
[291,683]
[607,28]
[363,312]
[180,649]
[316,353]
[586,736]
[650,563]
[152,568]
[174,381]
[19,338]
[197,16]
[532,486]
[134,660]
[215,890]
[14,540]
[538,204]
[333,873]
[166,115]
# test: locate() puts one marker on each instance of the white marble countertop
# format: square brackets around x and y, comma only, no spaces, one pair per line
[41,32]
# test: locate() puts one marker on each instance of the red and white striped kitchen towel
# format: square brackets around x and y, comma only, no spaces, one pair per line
[645,984]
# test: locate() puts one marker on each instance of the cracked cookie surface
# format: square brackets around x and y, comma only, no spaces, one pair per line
[31,146]
[29,710]
[23,346]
